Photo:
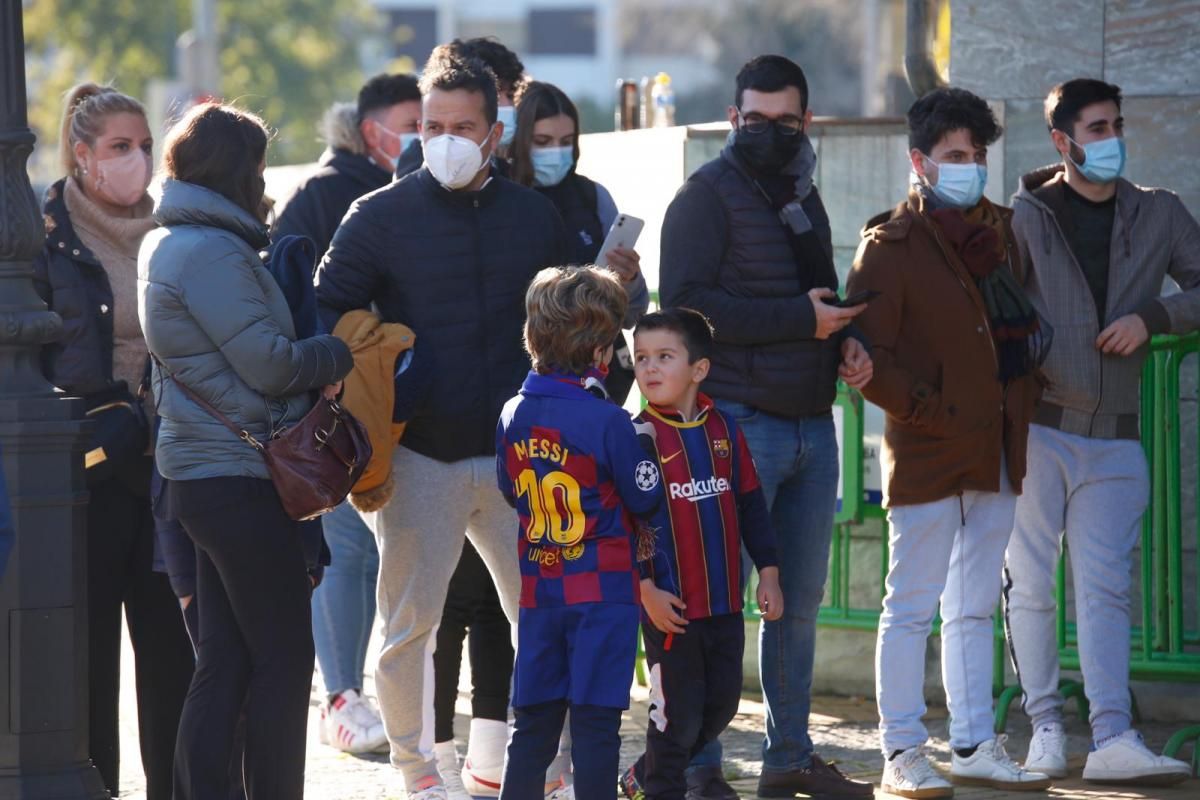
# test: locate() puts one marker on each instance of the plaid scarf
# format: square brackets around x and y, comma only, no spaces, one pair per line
[980,238]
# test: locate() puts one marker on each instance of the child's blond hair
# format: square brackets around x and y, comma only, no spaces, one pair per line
[569,312]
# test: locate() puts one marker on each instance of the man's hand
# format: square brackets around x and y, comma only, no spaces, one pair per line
[831,319]
[660,607]
[625,262]
[769,596]
[1123,336]
[856,368]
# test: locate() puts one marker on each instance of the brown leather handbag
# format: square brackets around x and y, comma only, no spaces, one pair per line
[314,463]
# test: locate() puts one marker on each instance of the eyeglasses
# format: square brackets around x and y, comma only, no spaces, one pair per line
[757,123]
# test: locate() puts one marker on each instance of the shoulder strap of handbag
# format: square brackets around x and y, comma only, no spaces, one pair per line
[241,433]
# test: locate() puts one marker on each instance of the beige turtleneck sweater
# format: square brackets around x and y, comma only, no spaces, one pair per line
[114,241]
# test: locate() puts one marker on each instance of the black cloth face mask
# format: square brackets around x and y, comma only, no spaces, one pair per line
[769,151]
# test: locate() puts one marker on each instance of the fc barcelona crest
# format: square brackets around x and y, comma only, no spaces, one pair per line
[721,448]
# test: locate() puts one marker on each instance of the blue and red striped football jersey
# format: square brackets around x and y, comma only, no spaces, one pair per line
[714,503]
[571,465]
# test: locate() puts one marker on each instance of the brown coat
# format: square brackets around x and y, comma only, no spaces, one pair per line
[948,416]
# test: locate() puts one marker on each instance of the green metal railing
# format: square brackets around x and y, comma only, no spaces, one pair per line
[1164,647]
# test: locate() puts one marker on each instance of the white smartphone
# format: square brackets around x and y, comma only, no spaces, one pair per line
[624,233]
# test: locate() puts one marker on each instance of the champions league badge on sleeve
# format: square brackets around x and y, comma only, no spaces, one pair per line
[646,476]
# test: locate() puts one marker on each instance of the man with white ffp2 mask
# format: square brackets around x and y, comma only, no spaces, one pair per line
[449,251]
[509,72]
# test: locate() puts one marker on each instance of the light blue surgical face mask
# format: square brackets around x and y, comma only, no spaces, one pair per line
[405,140]
[1103,161]
[959,185]
[551,164]
[507,115]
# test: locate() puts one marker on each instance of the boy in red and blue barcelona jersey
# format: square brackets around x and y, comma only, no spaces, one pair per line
[692,593]
[571,464]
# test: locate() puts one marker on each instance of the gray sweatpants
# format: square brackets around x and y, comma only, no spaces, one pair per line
[420,536]
[1095,490]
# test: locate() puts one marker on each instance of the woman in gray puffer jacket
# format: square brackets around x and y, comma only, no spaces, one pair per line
[217,322]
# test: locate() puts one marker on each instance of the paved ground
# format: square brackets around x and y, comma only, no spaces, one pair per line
[843,728]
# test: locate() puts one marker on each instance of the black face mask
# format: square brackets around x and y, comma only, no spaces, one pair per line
[767,152]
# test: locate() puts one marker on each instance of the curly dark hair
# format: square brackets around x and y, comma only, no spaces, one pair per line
[504,63]
[385,91]
[950,109]
[1066,102]
[448,73]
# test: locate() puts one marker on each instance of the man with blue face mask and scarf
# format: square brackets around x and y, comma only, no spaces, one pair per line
[1097,249]
[956,346]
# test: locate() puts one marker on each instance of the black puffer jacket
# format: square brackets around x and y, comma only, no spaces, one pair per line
[727,254]
[316,208]
[454,267]
[73,283]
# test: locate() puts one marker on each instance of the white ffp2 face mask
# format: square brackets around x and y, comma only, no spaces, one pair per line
[454,161]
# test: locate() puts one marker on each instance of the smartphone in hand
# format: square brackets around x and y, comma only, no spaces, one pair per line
[857,299]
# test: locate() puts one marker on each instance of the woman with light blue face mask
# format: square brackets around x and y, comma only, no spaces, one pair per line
[544,155]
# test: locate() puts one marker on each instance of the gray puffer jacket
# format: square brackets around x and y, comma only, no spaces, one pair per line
[218,322]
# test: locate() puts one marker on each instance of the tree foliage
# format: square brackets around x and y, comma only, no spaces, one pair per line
[287,60]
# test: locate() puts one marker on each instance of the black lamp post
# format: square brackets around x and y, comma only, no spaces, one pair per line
[43,594]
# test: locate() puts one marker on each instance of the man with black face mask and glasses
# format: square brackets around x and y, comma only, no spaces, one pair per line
[747,242]
[448,250]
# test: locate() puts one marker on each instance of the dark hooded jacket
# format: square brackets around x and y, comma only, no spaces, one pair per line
[344,174]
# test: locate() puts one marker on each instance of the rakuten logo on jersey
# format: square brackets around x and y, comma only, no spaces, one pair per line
[699,490]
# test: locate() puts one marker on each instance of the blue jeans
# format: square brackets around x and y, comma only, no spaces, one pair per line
[343,605]
[797,461]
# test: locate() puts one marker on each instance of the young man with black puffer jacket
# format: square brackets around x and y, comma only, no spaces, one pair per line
[449,251]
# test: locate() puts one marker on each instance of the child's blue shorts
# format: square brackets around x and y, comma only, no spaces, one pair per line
[583,653]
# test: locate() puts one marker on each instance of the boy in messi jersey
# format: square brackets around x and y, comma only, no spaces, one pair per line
[571,464]
[695,635]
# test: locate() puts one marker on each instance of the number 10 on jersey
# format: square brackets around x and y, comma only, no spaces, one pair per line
[555,508]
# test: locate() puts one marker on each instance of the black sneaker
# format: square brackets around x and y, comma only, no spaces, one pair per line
[629,785]
[821,779]
[706,782]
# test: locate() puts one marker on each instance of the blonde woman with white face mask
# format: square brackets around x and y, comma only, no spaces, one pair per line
[95,220]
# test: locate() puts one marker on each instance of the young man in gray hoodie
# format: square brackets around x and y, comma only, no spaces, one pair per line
[1097,249]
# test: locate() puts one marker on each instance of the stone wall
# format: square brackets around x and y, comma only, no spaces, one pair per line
[1013,52]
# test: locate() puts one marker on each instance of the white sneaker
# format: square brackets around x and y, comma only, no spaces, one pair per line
[351,724]
[1126,759]
[911,775]
[991,766]
[1048,751]
[446,756]
[484,766]
[430,789]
